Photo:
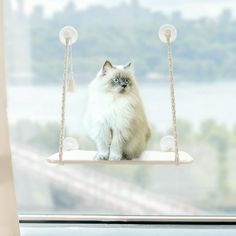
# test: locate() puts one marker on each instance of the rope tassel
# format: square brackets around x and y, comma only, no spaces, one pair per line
[70,82]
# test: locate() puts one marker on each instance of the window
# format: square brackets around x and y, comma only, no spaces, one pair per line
[205,91]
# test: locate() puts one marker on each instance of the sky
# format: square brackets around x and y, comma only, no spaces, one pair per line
[189,8]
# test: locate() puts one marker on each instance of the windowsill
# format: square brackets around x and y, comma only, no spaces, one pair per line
[128,230]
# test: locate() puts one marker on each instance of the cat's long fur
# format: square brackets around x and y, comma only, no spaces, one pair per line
[115,119]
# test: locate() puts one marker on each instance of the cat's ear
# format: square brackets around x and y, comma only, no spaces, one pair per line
[106,66]
[128,66]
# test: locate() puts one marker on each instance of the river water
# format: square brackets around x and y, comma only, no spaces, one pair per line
[195,102]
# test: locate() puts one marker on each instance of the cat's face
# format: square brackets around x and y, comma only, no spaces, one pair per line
[117,79]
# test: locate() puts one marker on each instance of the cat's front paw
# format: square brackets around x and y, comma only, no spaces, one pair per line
[115,158]
[100,156]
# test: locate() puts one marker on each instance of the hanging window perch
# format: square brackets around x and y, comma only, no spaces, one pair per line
[69,152]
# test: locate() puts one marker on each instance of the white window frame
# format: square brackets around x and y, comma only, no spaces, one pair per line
[127,219]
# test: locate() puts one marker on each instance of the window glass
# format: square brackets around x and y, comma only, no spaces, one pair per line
[204,59]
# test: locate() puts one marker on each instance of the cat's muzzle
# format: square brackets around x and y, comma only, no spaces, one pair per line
[123,90]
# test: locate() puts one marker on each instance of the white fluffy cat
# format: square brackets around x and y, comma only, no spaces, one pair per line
[115,119]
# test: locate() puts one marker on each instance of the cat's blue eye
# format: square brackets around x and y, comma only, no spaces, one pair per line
[126,81]
[116,80]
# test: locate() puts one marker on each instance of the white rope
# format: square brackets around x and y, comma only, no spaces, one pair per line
[63,106]
[172,95]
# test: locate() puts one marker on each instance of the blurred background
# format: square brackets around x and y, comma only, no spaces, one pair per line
[123,31]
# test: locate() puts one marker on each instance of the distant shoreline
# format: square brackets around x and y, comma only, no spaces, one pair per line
[147,82]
